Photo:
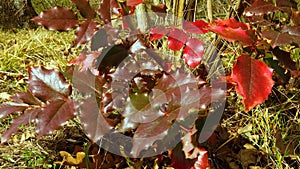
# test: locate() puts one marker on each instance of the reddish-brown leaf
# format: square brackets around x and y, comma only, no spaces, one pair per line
[193,52]
[27,98]
[85,8]
[260,7]
[284,58]
[233,30]
[55,115]
[85,32]
[10,107]
[178,160]
[106,8]
[27,117]
[176,39]
[254,80]
[57,18]
[87,61]
[280,38]
[47,84]
[147,133]
[92,119]
[160,9]
[158,32]
[198,27]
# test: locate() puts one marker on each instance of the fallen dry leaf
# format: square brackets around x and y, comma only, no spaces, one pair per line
[69,159]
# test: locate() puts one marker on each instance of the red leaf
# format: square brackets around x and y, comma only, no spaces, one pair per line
[198,27]
[193,52]
[85,8]
[9,108]
[57,18]
[233,30]
[133,3]
[85,32]
[202,161]
[178,160]
[47,85]
[254,80]
[176,39]
[27,117]
[54,115]
[158,32]
[260,7]
[232,23]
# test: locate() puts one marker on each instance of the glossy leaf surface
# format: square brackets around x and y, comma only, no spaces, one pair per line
[57,18]
[47,84]
[85,32]
[176,39]
[193,52]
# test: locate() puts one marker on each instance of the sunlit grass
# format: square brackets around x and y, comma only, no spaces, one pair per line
[24,48]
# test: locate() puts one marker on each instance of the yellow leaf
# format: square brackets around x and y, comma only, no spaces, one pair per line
[67,157]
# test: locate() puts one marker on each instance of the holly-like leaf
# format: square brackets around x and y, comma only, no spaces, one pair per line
[27,117]
[85,8]
[176,39]
[193,52]
[232,30]
[57,18]
[280,38]
[254,80]
[260,7]
[133,3]
[198,26]
[85,32]
[48,84]
[55,115]
[158,32]
[147,133]
[11,107]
